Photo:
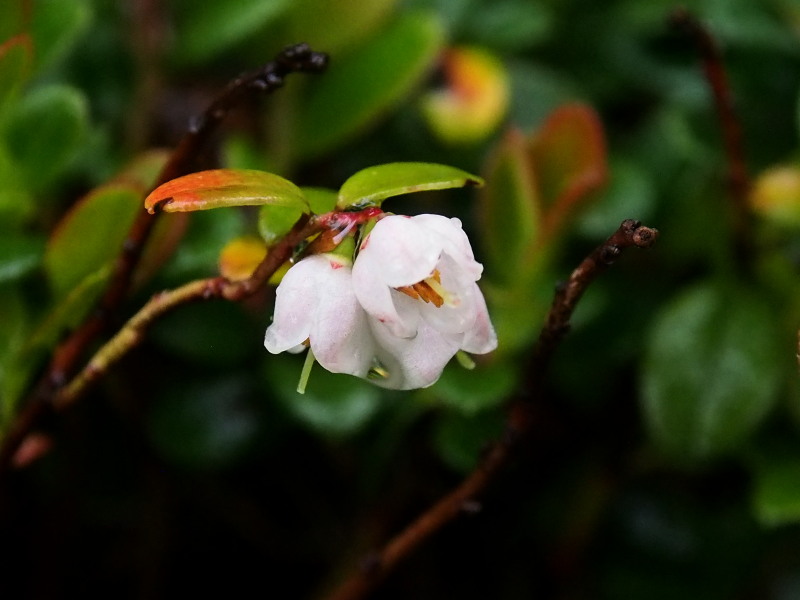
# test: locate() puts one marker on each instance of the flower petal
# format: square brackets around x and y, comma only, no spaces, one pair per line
[453,241]
[457,314]
[416,362]
[407,252]
[481,337]
[379,300]
[340,336]
[296,301]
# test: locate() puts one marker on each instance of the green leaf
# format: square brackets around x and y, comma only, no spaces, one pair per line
[321,200]
[143,170]
[213,26]
[44,132]
[224,188]
[471,391]
[19,255]
[68,312]
[90,235]
[334,405]
[332,25]
[55,28]
[367,82]
[374,184]
[776,494]
[509,210]
[15,63]
[14,18]
[13,328]
[275,221]
[16,203]
[509,25]
[711,371]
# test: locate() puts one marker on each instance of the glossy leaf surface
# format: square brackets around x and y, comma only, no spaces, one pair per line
[374,184]
[44,132]
[509,208]
[224,188]
[367,82]
[56,27]
[211,27]
[90,236]
[333,25]
[711,371]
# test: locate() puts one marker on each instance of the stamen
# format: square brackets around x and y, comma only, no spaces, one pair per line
[377,371]
[427,292]
[430,291]
[409,290]
[436,287]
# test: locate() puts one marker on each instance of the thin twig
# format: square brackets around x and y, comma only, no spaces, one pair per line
[298,58]
[295,59]
[203,289]
[733,140]
[519,423]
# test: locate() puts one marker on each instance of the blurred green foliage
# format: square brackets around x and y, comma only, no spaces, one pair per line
[666,461]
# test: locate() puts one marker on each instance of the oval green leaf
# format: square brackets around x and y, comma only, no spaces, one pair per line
[374,184]
[210,27]
[509,210]
[44,132]
[333,25]
[224,188]
[367,82]
[56,27]
[90,235]
[711,371]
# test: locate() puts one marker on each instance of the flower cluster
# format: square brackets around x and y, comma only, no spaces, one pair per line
[397,313]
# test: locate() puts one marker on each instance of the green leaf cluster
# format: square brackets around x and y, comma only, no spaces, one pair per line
[665,457]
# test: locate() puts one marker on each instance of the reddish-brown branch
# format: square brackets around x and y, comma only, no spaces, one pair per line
[135,329]
[519,422]
[716,76]
[299,58]
[294,59]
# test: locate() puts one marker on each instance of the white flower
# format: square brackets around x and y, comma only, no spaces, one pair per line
[409,303]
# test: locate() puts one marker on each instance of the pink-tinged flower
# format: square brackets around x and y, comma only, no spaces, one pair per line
[409,303]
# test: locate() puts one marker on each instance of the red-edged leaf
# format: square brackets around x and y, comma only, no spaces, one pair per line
[225,187]
[569,158]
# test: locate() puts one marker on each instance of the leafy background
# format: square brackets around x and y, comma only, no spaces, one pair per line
[667,462]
